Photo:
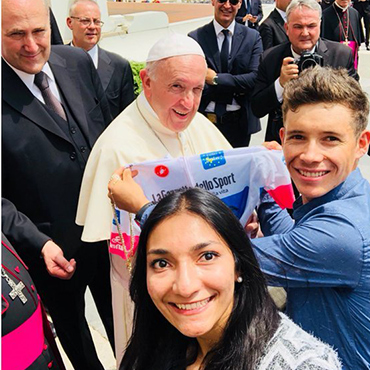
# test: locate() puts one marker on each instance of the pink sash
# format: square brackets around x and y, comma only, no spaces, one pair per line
[354,47]
[22,346]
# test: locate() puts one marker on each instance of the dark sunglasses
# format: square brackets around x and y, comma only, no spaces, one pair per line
[232,2]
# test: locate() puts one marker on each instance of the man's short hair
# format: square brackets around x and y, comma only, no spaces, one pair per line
[152,68]
[72,8]
[329,86]
[311,4]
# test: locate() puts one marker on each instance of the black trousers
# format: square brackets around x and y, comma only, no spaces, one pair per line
[232,127]
[363,7]
[65,300]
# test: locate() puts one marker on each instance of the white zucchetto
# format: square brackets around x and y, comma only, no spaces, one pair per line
[172,46]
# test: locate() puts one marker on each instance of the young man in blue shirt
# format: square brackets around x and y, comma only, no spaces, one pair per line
[322,258]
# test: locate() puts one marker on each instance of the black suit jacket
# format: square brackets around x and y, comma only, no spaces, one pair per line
[246,49]
[256,10]
[264,99]
[117,80]
[40,173]
[272,30]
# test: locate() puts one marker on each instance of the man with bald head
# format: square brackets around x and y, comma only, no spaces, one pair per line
[114,71]
[163,121]
[53,110]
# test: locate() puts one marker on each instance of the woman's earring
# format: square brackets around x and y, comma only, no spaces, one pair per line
[239,279]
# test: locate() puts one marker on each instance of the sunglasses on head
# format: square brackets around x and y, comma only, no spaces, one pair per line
[232,2]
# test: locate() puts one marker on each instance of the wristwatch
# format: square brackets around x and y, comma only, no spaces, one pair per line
[215,80]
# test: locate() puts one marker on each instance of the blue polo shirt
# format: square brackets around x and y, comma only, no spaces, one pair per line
[322,258]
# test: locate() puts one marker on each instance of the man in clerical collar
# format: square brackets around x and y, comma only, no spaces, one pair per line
[280,64]
[341,23]
[115,73]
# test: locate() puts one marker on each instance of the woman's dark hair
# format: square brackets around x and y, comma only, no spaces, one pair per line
[156,345]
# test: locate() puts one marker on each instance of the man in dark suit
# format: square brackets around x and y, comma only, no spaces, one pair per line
[272,28]
[56,37]
[114,71]
[50,121]
[231,73]
[250,13]
[279,64]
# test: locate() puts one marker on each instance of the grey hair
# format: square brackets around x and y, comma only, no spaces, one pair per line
[73,6]
[152,67]
[311,4]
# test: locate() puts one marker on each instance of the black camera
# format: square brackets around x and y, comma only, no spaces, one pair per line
[308,60]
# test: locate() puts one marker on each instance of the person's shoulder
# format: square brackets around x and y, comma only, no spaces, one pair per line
[269,21]
[193,34]
[328,10]
[336,46]
[246,31]
[275,50]
[69,56]
[354,12]
[298,349]
[115,58]
[68,52]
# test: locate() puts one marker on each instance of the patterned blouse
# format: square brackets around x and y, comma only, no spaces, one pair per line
[291,348]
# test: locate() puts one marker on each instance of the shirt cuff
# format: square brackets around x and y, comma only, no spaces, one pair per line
[144,213]
[279,91]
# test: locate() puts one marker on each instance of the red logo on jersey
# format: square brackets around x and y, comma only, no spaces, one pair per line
[161,171]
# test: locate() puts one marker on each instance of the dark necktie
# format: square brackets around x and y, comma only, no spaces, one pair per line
[220,108]
[248,7]
[41,81]
[224,55]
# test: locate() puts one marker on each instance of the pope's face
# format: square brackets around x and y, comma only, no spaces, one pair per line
[176,89]
[25,35]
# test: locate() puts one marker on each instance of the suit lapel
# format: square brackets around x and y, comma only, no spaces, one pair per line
[209,43]
[67,81]
[237,41]
[105,69]
[322,49]
[17,95]
[279,21]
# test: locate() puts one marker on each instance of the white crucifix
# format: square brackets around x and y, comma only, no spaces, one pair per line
[16,288]
[17,291]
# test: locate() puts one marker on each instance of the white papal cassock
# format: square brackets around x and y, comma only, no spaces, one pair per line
[136,135]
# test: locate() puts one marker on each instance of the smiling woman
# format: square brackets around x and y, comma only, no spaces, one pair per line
[201,301]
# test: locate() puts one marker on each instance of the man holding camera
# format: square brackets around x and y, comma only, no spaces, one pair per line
[284,62]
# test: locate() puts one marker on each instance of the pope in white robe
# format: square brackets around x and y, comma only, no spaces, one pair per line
[163,121]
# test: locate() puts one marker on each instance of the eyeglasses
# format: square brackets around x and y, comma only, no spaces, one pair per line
[232,2]
[87,21]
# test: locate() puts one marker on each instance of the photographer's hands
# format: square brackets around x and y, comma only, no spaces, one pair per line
[289,70]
